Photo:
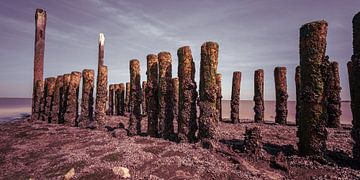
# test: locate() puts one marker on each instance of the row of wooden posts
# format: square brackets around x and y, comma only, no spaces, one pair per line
[317,92]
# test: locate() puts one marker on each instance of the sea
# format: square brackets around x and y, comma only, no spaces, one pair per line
[16,108]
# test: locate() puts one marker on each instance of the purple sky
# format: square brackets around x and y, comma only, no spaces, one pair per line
[251,34]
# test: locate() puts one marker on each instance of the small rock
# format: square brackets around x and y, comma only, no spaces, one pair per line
[121,171]
[69,174]
[119,133]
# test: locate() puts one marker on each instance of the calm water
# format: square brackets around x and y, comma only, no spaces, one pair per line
[247,112]
[13,108]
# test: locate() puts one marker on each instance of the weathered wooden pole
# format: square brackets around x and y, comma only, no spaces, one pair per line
[311,126]
[298,93]
[355,101]
[152,94]
[253,141]
[281,95]
[219,96]
[116,102]
[72,100]
[259,107]
[350,76]
[40,26]
[333,96]
[101,96]
[166,116]
[48,97]
[235,97]
[120,96]
[135,99]
[87,99]
[39,89]
[175,97]
[143,99]
[127,97]
[111,99]
[187,125]
[101,50]
[208,90]
[55,111]
[64,93]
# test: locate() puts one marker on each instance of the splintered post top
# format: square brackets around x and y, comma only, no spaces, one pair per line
[101,39]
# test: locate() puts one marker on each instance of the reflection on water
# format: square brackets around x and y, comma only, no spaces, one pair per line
[12,108]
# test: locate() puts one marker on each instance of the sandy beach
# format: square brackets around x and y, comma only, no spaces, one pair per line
[46,151]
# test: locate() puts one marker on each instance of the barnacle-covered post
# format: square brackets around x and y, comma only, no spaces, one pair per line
[63,94]
[281,95]
[235,97]
[48,97]
[219,96]
[259,107]
[127,97]
[111,100]
[175,97]
[87,99]
[311,125]
[152,94]
[143,99]
[39,89]
[135,98]
[101,96]
[55,111]
[298,93]
[208,90]
[333,96]
[355,86]
[72,100]
[187,125]
[166,116]
[120,94]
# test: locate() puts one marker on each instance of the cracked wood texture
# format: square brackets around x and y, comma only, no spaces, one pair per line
[311,126]
[40,26]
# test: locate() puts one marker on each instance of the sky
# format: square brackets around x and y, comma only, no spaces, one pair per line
[252,34]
